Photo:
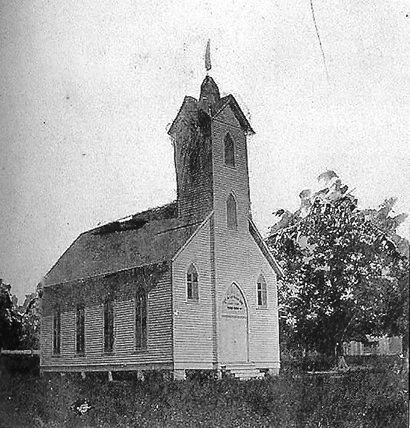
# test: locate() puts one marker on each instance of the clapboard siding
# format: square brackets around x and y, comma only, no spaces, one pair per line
[124,331]
[237,256]
[46,337]
[94,331]
[125,355]
[193,161]
[160,321]
[193,328]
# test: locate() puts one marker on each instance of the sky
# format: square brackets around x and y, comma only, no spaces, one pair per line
[88,90]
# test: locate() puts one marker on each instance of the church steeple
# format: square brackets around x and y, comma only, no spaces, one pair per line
[209,95]
[200,133]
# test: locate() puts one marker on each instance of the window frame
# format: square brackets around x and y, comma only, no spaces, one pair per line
[192,284]
[57,331]
[141,320]
[231,212]
[229,151]
[261,292]
[80,330]
[108,326]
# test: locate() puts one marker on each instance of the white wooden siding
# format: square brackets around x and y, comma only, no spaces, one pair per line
[125,356]
[193,331]
[237,256]
[68,333]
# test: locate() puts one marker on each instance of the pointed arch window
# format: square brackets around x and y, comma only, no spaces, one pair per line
[192,283]
[229,146]
[141,311]
[231,213]
[262,292]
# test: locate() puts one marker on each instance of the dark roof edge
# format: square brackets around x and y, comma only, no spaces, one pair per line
[137,216]
[265,250]
[115,272]
[44,281]
[184,102]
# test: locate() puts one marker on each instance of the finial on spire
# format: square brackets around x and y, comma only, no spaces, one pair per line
[208,65]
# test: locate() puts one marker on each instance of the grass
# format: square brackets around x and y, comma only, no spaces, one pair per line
[377,398]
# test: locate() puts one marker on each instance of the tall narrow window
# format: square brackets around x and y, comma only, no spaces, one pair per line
[57,331]
[108,326]
[80,330]
[262,293]
[192,283]
[229,150]
[141,319]
[232,221]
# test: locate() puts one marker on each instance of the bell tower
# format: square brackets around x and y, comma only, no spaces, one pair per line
[210,153]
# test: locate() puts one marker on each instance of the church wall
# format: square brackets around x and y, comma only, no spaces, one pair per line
[182,333]
[125,356]
[193,162]
[264,325]
[238,258]
[46,340]
[193,320]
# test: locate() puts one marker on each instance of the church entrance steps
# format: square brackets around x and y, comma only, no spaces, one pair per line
[243,371]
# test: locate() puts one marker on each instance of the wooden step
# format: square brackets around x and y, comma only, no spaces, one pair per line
[244,371]
[239,366]
[249,376]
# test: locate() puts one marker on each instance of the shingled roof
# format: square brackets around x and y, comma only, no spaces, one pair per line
[145,238]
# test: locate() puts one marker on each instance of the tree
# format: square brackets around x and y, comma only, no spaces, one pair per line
[10,321]
[346,270]
[30,322]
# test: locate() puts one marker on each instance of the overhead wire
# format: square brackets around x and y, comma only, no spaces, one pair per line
[318,37]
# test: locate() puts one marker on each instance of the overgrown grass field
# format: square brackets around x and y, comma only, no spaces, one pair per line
[377,398]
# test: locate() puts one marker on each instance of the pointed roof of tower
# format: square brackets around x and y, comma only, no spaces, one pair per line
[230,100]
[209,92]
[210,102]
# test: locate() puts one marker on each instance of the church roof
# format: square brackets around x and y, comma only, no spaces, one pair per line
[213,104]
[145,238]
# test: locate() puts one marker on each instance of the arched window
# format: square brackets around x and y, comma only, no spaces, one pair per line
[231,216]
[261,292]
[192,283]
[229,150]
[141,311]
[234,302]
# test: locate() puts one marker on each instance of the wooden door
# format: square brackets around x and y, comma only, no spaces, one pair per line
[234,327]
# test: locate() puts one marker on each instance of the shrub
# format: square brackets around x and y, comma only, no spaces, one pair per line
[354,399]
[20,364]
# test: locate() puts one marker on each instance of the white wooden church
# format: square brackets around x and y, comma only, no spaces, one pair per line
[189,285]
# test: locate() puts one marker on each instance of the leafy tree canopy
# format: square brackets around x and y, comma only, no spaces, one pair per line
[19,325]
[346,270]
[30,322]
[10,321]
